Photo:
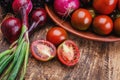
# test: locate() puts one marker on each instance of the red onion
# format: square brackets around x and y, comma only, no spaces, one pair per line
[22,7]
[11,28]
[18,4]
[65,7]
[38,19]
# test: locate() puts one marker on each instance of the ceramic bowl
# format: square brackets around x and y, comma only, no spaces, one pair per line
[83,34]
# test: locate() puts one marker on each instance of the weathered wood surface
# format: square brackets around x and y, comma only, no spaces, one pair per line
[98,61]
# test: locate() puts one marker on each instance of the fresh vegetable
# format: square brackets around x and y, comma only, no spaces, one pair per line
[119,4]
[11,28]
[56,35]
[43,50]
[38,19]
[102,25]
[104,6]
[23,8]
[68,53]
[117,26]
[65,7]
[19,50]
[81,19]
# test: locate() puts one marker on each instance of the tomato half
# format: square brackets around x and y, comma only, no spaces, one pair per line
[102,25]
[56,35]
[43,50]
[68,53]
[104,6]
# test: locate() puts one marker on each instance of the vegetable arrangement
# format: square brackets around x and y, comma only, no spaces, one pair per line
[19,50]
[17,31]
[97,16]
[16,56]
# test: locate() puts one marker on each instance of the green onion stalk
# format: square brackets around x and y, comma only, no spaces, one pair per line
[14,60]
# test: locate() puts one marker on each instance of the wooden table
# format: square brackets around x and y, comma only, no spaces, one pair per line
[98,61]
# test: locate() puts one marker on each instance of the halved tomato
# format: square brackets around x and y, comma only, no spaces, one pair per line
[68,53]
[43,50]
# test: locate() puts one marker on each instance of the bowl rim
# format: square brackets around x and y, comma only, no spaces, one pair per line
[62,24]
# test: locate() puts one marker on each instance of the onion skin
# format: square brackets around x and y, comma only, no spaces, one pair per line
[11,28]
[22,7]
[39,15]
[18,4]
[38,19]
[65,7]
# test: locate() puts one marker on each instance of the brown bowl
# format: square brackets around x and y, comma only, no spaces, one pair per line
[87,35]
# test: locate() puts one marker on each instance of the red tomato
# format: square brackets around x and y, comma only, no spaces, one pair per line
[43,50]
[56,35]
[117,26]
[68,53]
[102,25]
[81,19]
[119,4]
[104,6]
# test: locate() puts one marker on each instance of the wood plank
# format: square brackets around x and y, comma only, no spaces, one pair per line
[98,61]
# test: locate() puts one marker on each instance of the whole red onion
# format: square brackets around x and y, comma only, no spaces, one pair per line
[65,7]
[19,4]
[22,7]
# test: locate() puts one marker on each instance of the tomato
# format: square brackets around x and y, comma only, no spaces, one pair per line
[104,6]
[81,19]
[56,35]
[68,53]
[43,50]
[117,26]
[119,4]
[86,3]
[102,24]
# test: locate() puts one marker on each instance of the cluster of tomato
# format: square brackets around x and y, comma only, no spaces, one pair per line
[56,43]
[99,18]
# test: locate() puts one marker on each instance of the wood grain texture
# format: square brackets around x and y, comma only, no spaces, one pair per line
[98,61]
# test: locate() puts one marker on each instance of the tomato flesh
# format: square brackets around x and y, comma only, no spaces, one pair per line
[68,53]
[43,50]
